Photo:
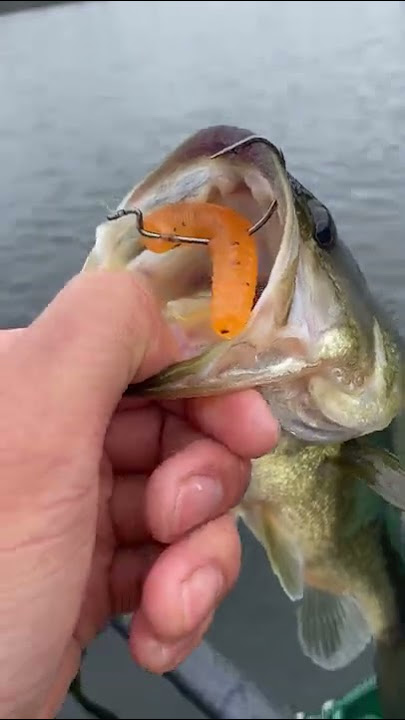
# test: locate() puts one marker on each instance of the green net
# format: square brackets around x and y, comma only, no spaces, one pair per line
[361,703]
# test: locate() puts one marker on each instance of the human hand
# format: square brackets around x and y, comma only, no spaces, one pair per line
[110,506]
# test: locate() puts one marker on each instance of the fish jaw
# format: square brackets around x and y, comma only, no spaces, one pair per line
[180,279]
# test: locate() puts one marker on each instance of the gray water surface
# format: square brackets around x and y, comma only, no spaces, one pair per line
[93,95]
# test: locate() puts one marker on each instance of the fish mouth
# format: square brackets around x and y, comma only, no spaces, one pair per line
[183,281]
[248,180]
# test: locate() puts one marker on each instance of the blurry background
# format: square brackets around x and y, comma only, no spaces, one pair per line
[92,95]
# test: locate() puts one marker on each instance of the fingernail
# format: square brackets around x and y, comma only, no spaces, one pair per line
[157,653]
[197,501]
[200,593]
[159,656]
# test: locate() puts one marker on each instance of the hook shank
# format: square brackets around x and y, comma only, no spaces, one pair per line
[179,239]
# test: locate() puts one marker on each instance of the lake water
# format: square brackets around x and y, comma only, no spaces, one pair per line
[93,95]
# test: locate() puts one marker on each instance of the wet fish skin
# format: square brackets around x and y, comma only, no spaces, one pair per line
[324,531]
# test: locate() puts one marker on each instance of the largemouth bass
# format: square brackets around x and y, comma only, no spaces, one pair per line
[329,363]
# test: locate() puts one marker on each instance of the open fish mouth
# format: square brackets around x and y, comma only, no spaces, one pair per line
[220,166]
[314,342]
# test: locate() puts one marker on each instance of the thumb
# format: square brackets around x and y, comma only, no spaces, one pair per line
[101,332]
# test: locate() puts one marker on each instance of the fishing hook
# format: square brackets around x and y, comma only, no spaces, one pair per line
[149,234]
[183,238]
[269,212]
[250,139]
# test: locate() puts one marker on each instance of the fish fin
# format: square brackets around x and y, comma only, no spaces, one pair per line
[282,551]
[332,631]
[389,664]
[381,470]
[367,508]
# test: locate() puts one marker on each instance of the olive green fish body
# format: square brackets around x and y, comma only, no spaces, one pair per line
[324,530]
[321,527]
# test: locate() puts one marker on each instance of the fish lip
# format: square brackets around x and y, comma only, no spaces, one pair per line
[262,170]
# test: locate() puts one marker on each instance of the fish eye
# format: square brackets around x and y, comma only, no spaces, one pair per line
[324,226]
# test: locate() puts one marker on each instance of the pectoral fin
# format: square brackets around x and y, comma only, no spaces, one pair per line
[331,630]
[282,551]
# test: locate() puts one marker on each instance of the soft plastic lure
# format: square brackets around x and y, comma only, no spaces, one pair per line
[233,255]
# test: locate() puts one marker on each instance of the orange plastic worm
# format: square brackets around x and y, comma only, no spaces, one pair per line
[233,256]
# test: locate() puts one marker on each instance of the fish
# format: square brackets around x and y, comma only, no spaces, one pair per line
[327,359]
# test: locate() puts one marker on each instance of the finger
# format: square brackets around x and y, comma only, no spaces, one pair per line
[157,657]
[8,337]
[137,439]
[56,695]
[190,578]
[133,439]
[177,434]
[197,484]
[101,332]
[128,571]
[133,403]
[242,421]
[128,509]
